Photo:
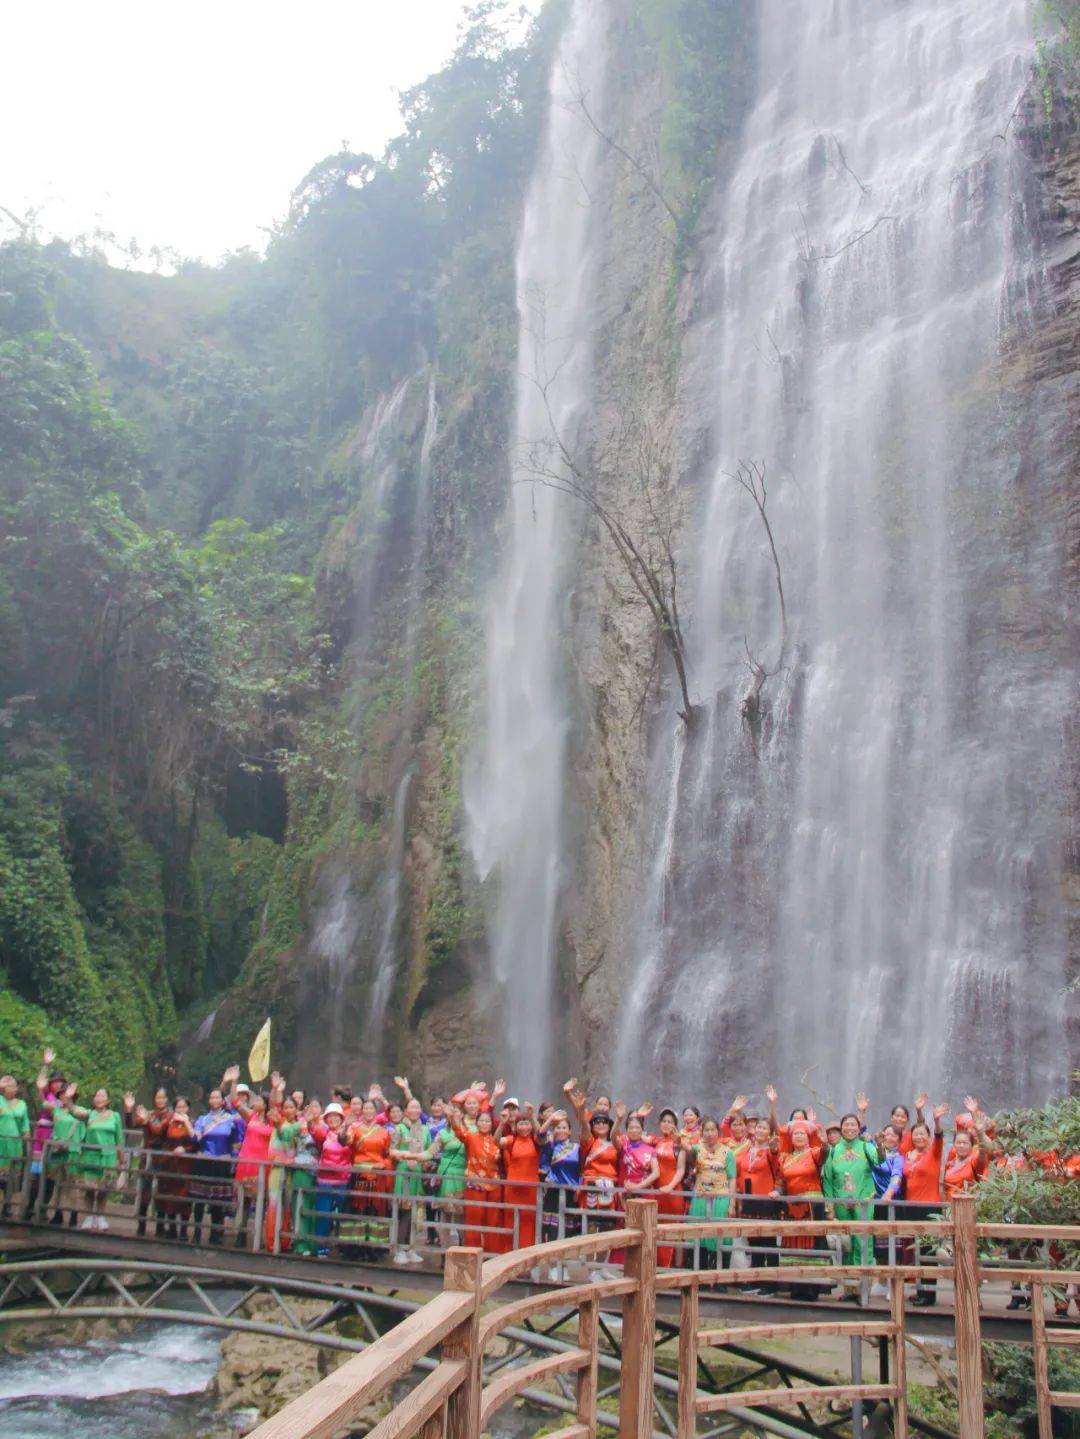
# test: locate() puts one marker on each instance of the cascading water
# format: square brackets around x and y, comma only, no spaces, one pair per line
[867,883]
[514,780]
[355,929]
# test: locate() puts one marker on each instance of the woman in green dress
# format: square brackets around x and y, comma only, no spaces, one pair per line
[410,1141]
[63,1157]
[305,1167]
[282,1151]
[99,1156]
[14,1139]
[847,1179]
[714,1184]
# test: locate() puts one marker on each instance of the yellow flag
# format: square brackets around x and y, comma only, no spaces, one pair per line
[259,1058]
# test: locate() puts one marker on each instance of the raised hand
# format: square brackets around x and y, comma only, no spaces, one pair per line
[402,1083]
[141,1115]
[129,1100]
[569,1086]
[738,1103]
[643,1110]
[922,1099]
[500,1088]
[231,1075]
[811,1117]
[71,1091]
[620,1110]
[47,1057]
[862,1104]
[971,1104]
[940,1111]
[277,1081]
[771,1094]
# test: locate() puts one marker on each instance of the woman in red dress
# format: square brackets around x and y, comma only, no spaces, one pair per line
[373,1178]
[482,1189]
[521,1166]
[671,1164]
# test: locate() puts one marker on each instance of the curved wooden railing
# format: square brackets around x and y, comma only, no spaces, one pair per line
[454,1402]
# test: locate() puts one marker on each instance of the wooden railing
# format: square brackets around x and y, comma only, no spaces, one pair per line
[454,1402]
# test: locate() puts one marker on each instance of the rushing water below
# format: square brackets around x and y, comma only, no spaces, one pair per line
[147,1385]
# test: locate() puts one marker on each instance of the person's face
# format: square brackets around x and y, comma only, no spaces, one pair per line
[334,1122]
[738,1127]
[215,1100]
[8,1087]
[634,1130]
[369,1111]
[523,1127]
[710,1132]
[288,1111]
[761,1132]
[472,1106]
[509,1113]
[56,1085]
[412,1111]
[601,1131]
[891,1137]
[668,1125]
[832,1134]
[689,1119]
[850,1128]
[101,1099]
[900,1117]
[962,1144]
[799,1138]
[561,1130]
[356,1106]
[161,1099]
[438,1108]
[920,1138]
[603,1105]
[181,1106]
[483,1122]
[395,1114]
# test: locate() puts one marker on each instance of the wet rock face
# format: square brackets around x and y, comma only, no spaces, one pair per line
[1045,358]
[261,1374]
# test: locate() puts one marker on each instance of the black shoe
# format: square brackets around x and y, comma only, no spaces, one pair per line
[924,1300]
[1019,1301]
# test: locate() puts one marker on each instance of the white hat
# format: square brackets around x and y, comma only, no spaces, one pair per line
[512,1101]
[243,1088]
[333,1109]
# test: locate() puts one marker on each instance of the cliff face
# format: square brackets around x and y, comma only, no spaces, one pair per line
[326,878]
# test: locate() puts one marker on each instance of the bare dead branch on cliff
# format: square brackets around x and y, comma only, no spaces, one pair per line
[580,105]
[750,476]
[844,162]
[648,552]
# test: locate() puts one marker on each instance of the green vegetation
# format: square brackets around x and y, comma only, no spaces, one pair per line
[205,690]
[1057,42]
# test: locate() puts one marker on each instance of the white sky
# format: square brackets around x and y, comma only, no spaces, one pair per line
[188,125]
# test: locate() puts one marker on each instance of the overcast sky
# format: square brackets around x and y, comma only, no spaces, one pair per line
[188,125]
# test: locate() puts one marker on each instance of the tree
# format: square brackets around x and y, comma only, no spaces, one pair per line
[646,549]
[750,477]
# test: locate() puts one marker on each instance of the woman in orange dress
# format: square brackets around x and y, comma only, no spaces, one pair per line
[757,1181]
[373,1178]
[800,1170]
[671,1161]
[482,1189]
[521,1164]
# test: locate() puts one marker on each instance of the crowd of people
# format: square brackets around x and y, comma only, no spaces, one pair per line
[366,1172]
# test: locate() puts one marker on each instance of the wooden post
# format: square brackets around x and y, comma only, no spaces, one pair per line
[461,1271]
[1041,1361]
[689,1320]
[639,1324]
[589,1340]
[968,1330]
[899,1359]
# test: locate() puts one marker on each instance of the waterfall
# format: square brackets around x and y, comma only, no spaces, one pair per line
[385,967]
[514,777]
[867,884]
